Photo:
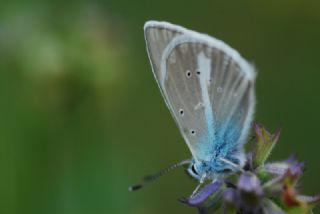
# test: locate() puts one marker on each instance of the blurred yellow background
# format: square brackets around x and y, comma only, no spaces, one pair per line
[82,118]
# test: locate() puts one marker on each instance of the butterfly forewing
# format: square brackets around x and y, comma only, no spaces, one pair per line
[158,39]
[207,86]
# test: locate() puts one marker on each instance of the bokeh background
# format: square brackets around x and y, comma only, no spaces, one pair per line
[81,117]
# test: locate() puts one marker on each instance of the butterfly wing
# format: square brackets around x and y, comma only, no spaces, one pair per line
[207,86]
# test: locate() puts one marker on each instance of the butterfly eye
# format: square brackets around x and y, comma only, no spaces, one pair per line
[194,170]
[181,112]
[193,132]
[198,72]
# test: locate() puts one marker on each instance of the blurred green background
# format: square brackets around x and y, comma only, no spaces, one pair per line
[81,117]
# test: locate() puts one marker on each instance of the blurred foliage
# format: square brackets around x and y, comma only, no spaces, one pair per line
[81,117]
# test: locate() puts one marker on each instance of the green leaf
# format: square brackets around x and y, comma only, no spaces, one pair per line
[310,201]
[264,144]
[299,210]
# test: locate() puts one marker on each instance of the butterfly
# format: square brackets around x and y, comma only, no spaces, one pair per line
[209,89]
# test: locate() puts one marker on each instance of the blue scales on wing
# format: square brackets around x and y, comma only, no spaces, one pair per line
[209,90]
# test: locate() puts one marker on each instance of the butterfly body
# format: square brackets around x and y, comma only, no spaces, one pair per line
[208,88]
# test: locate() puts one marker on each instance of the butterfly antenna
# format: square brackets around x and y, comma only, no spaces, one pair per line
[150,178]
[235,166]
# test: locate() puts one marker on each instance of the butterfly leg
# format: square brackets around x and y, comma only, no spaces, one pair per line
[199,185]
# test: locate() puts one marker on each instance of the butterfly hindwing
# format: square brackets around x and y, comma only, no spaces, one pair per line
[207,86]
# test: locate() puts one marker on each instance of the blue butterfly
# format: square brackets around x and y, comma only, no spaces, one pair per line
[209,90]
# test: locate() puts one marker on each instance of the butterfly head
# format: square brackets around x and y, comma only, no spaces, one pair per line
[213,169]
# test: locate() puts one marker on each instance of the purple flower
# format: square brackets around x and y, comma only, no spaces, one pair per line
[261,187]
[249,183]
[201,196]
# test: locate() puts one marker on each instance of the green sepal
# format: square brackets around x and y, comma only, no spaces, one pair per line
[270,207]
[265,142]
